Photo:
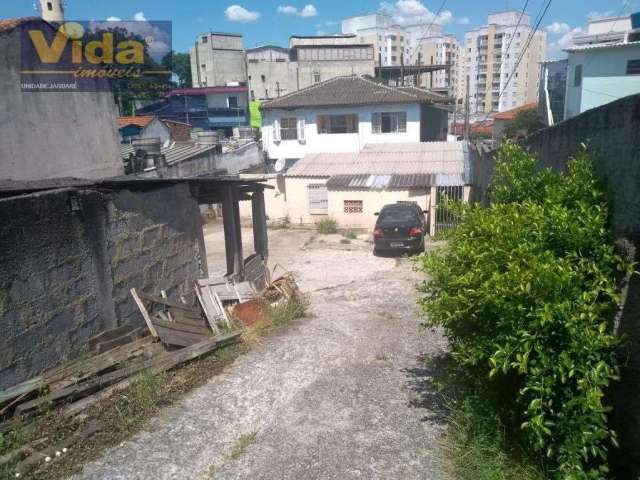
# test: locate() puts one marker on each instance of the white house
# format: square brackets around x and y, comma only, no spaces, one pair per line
[345,113]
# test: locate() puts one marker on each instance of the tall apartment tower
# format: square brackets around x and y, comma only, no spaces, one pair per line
[490,57]
[52,10]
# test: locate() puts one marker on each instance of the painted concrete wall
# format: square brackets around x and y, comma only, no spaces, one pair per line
[53,134]
[336,143]
[156,129]
[604,78]
[65,276]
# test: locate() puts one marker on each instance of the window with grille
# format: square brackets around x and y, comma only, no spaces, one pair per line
[318,198]
[337,124]
[289,129]
[633,67]
[316,76]
[353,206]
[389,122]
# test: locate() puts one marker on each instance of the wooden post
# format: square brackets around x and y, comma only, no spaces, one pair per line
[259,215]
[232,232]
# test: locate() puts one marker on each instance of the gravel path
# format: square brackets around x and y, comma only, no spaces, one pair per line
[331,397]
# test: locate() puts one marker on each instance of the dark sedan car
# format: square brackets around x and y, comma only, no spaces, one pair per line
[400,227]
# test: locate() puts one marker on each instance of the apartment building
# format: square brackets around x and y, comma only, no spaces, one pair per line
[270,73]
[421,43]
[491,56]
[218,59]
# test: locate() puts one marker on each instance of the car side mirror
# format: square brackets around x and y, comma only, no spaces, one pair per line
[377,213]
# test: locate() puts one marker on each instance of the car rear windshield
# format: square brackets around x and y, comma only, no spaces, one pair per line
[399,215]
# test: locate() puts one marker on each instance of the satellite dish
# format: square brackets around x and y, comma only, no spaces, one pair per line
[279,166]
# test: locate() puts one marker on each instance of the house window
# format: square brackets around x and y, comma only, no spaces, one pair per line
[253,96]
[318,198]
[205,39]
[263,78]
[232,102]
[389,122]
[337,124]
[289,129]
[633,67]
[316,76]
[353,206]
[577,76]
[49,6]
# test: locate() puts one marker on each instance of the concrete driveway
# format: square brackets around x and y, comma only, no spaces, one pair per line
[332,397]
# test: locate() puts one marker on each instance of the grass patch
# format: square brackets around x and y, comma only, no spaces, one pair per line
[282,224]
[327,226]
[382,357]
[345,241]
[350,235]
[476,447]
[241,445]
[286,312]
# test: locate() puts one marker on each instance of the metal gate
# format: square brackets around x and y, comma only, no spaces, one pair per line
[445,219]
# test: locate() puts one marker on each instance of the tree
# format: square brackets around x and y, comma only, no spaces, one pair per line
[524,124]
[180,64]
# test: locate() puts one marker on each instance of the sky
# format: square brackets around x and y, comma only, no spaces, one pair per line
[273,21]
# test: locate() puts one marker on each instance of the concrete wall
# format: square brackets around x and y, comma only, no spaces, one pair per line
[276,74]
[223,58]
[336,143]
[53,134]
[65,276]
[604,78]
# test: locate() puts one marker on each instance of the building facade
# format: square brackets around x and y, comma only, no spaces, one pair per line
[553,86]
[321,58]
[271,74]
[501,63]
[603,65]
[344,114]
[217,60]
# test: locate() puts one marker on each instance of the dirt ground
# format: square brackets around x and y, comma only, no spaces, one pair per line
[340,394]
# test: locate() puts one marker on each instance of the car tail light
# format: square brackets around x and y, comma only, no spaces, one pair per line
[378,233]
[415,231]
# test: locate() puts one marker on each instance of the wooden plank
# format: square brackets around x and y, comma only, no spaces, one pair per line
[22,389]
[182,327]
[224,312]
[211,318]
[159,363]
[120,341]
[81,405]
[178,338]
[205,282]
[109,335]
[144,312]
[167,303]
[163,294]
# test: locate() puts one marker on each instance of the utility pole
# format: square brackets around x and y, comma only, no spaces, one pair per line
[466,112]
[402,67]
[186,108]
[418,80]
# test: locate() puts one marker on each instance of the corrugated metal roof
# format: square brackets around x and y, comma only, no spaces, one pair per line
[438,158]
[176,152]
[380,182]
[599,46]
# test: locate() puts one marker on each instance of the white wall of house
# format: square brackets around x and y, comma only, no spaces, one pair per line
[314,142]
[221,100]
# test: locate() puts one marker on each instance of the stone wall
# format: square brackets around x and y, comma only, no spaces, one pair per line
[65,275]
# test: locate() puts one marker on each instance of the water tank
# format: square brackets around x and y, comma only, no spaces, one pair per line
[208,138]
[151,146]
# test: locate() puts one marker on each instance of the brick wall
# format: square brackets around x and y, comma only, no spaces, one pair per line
[65,276]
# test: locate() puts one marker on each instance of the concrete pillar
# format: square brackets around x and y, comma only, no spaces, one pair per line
[259,215]
[232,232]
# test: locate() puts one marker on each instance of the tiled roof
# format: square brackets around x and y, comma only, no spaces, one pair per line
[511,114]
[402,159]
[348,91]
[11,23]
[138,121]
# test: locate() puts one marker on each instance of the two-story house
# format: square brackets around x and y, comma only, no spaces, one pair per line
[345,113]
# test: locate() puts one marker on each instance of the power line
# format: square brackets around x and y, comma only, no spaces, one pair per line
[435,16]
[516,29]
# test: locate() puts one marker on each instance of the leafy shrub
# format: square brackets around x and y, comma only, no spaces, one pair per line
[327,226]
[524,291]
[350,235]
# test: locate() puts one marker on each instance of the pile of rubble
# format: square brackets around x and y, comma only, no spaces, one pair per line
[175,333]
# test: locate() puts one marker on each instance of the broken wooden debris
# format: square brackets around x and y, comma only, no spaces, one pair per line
[109,335]
[157,364]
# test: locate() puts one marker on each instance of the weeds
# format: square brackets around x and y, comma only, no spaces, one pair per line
[282,224]
[327,226]
[286,312]
[242,444]
[345,241]
[350,235]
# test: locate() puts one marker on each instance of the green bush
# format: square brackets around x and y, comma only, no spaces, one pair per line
[327,226]
[524,290]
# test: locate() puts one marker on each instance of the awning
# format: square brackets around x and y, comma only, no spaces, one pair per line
[393,182]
